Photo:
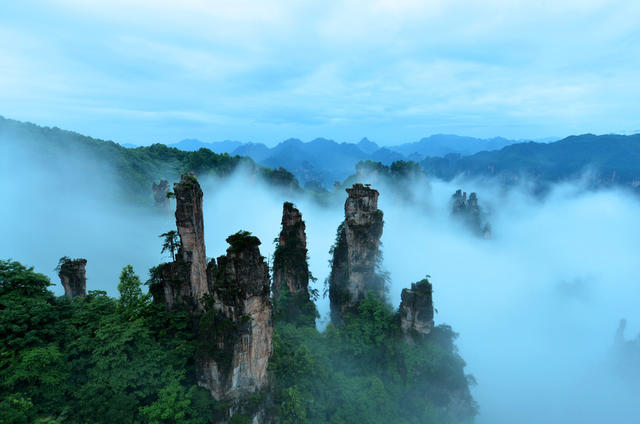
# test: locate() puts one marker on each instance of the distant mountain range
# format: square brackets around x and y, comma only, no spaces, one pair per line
[327,161]
[606,160]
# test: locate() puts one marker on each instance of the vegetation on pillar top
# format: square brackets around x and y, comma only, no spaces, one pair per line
[242,240]
[65,263]
[188,181]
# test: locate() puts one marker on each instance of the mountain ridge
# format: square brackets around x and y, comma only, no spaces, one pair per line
[325,161]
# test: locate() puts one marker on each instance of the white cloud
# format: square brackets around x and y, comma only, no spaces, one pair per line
[340,69]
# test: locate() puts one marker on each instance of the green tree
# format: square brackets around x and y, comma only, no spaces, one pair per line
[15,277]
[170,243]
[174,405]
[292,410]
[40,374]
[132,302]
[16,409]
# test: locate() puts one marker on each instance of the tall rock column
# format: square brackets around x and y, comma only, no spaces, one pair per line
[469,212]
[190,225]
[160,191]
[236,330]
[73,276]
[416,309]
[184,281]
[355,254]
[291,270]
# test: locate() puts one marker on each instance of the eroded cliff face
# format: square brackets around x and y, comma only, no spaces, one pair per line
[236,329]
[291,270]
[73,276]
[160,191]
[232,313]
[355,254]
[190,225]
[416,310]
[171,285]
[184,281]
[229,303]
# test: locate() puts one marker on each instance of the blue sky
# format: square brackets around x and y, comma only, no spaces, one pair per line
[142,71]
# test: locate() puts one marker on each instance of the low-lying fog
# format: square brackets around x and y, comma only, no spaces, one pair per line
[536,306]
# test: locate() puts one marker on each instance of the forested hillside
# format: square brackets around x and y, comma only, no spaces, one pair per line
[135,169]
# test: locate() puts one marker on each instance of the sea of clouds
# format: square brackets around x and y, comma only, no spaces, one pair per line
[536,305]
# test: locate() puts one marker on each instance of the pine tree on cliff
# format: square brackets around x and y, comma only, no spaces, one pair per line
[170,243]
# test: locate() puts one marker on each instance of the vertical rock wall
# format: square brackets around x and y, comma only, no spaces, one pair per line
[416,309]
[229,302]
[291,271]
[190,223]
[236,329]
[355,254]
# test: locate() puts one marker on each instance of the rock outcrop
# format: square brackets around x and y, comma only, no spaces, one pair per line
[416,309]
[468,210]
[355,254]
[229,303]
[190,225]
[160,191]
[291,270]
[626,355]
[73,276]
[170,285]
[236,329]
[184,281]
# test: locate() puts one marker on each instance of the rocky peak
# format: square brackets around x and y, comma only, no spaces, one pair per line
[416,309]
[190,223]
[472,203]
[458,202]
[229,302]
[291,271]
[245,269]
[361,207]
[619,338]
[236,328]
[355,254]
[468,210]
[73,276]
[293,227]
[160,191]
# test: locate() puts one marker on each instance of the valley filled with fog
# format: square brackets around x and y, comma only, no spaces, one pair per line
[536,304]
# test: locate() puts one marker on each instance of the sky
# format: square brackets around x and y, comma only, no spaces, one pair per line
[139,71]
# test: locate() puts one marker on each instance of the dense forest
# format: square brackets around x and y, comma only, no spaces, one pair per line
[103,360]
[149,357]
